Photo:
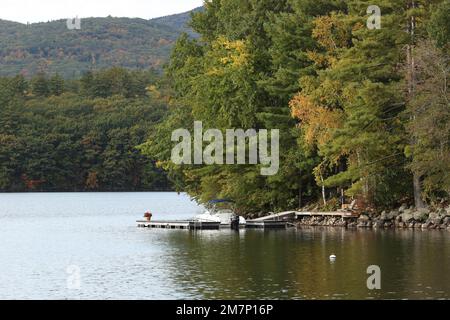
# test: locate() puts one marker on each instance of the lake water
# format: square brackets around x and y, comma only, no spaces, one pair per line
[87,246]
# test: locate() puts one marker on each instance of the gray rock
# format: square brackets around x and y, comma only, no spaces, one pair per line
[407,216]
[392,215]
[435,218]
[442,213]
[426,225]
[433,215]
[378,224]
[402,208]
[421,215]
[361,225]
[399,224]
[363,218]
[423,210]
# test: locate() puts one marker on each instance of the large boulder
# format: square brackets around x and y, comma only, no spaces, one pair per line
[426,225]
[363,218]
[407,216]
[436,218]
[443,213]
[388,216]
[393,215]
[421,215]
[437,221]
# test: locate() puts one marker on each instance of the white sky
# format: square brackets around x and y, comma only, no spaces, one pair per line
[44,10]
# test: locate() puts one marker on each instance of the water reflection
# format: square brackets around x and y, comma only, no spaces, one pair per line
[255,264]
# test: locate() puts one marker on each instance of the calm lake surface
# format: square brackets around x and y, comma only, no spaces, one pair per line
[87,246]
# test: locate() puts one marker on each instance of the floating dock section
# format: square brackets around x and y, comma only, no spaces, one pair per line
[187,225]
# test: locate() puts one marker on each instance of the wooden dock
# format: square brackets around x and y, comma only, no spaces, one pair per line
[274,221]
[180,225]
[340,214]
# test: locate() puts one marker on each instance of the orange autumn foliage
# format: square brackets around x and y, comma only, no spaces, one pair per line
[317,120]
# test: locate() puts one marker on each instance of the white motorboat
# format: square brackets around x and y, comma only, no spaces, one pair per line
[220,211]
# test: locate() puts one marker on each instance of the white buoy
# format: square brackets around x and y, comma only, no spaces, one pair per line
[332,257]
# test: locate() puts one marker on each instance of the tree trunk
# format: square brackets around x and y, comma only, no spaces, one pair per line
[418,192]
[324,195]
[411,91]
[300,191]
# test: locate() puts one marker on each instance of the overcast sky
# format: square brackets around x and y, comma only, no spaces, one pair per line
[44,10]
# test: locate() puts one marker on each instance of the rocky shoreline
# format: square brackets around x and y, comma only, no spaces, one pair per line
[402,218]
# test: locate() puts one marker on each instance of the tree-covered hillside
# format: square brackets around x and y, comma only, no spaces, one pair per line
[179,21]
[100,43]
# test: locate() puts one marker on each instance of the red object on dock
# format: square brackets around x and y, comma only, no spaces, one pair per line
[148,216]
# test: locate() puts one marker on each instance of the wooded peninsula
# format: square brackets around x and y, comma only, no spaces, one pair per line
[363,112]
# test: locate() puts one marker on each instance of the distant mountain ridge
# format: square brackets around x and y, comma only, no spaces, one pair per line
[179,21]
[100,43]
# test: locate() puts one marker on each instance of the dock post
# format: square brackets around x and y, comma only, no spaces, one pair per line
[235,223]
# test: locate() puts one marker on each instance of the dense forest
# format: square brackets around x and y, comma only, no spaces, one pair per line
[363,112]
[79,135]
[51,47]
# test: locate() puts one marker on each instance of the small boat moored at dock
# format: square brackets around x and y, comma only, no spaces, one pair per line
[221,211]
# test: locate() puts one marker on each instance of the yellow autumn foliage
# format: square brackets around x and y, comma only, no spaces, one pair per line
[234,53]
[331,32]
